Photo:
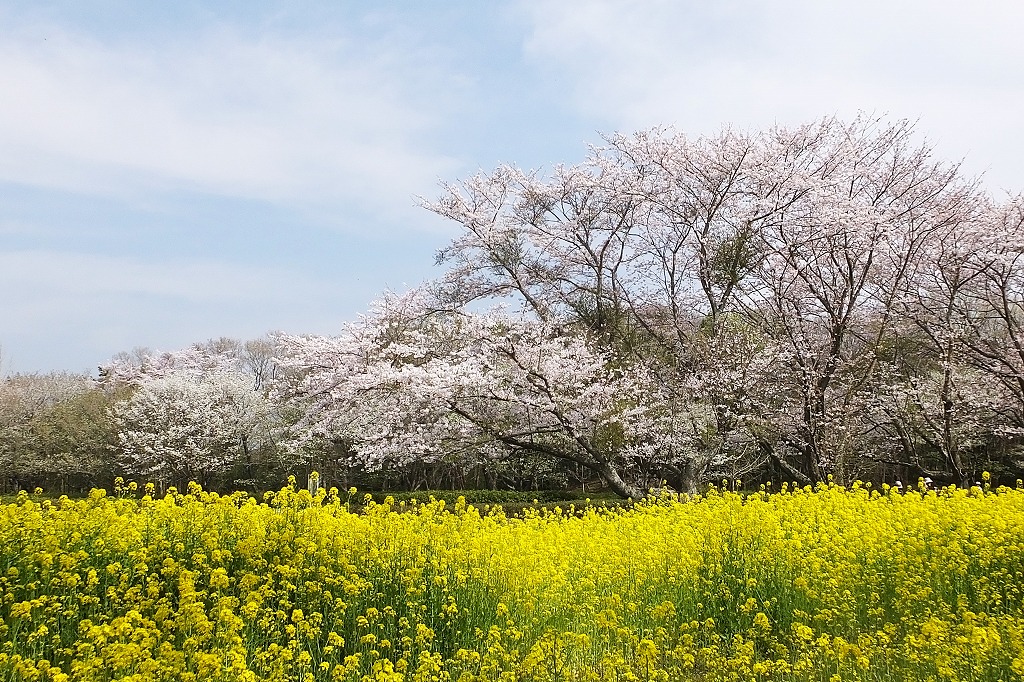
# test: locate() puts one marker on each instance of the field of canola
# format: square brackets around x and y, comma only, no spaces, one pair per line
[829,584]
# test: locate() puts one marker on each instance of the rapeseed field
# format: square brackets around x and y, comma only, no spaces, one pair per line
[825,584]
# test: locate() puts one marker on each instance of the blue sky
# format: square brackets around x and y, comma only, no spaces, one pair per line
[172,172]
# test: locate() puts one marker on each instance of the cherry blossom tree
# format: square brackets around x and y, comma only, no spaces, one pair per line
[661,247]
[997,341]
[185,425]
[848,210]
[639,246]
[193,412]
[410,382]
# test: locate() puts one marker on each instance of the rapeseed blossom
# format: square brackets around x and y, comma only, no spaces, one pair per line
[807,584]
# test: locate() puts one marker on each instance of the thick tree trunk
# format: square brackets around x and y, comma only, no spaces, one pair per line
[688,478]
[619,485]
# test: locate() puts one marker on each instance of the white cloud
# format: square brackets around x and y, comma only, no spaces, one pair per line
[281,119]
[952,65]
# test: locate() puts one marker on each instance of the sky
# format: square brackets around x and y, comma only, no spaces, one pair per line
[178,171]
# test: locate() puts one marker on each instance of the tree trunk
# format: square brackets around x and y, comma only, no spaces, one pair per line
[617,483]
[688,480]
[245,456]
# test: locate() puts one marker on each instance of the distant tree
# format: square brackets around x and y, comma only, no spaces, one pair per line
[195,412]
[258,356]
[186,425]
[55,427]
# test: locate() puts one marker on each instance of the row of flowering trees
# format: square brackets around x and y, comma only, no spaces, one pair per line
[796,303]
[170,417]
